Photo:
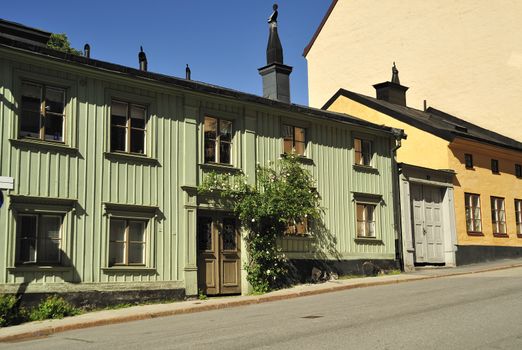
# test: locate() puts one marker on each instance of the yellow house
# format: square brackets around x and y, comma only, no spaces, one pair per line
[460,184]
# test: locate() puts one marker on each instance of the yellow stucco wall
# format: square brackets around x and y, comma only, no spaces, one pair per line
[421,148]
[464,57]
[481,180]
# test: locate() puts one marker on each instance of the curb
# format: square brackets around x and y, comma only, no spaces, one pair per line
[45,331]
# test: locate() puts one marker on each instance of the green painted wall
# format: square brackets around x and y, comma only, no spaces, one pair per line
[95,181]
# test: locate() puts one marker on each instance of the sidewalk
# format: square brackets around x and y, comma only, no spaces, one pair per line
[99,318]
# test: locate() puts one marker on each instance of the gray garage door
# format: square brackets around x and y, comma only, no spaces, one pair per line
[427,224]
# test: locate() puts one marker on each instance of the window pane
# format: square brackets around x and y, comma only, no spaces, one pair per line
[357,145]
[28,226]
[53,128]
[366,152]
[224,152]
[210,151]
[138,112]
[49,239]
[360,212]
[225,130]
[287,146]
[32,90]
[50,227]
[229,234]
[205,233]
[136,231]
[210,128]
[54,100]
[136,253]
[116,253]
[137,141]
[118,138]
[118,120]
[361,227]
[119,109]
[300,148]
[31,104]
[30,124]
[27,247]
[117,230]
[288,132]
[27,252]
[300,135]
[48,250]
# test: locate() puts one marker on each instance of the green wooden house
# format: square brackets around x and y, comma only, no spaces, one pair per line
[99,166]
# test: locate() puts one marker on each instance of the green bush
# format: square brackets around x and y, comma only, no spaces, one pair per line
[9,311]
[53,307]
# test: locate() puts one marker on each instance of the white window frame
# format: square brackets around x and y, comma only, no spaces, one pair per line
[496,211]
[470,209]
[366,233]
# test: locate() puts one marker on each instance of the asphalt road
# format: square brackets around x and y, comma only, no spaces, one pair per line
[479,311]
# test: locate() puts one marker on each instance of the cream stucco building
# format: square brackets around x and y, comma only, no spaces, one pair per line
[464,57]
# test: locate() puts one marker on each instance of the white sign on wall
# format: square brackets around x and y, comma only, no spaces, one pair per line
[6,183]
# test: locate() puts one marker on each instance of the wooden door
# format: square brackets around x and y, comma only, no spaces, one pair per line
[426,204]
[219,254]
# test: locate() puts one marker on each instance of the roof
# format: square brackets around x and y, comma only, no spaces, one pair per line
[23,33]
[318,30]
[432,120]
[190,85]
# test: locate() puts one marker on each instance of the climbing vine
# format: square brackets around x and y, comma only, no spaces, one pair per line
[283,194]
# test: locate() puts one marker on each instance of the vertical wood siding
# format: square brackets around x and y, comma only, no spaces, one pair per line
[92,178]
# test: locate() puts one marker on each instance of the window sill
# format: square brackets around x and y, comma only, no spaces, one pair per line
[476,234]
[39,268]
[116,269]
[300,158]
[365,240]
[130,158]
[44,145]
[501,235]
[220,167]
[365,169]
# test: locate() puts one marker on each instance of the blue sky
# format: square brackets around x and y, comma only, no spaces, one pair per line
[224,41]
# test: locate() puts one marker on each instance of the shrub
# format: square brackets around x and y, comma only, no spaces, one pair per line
[9,310]
[53,307]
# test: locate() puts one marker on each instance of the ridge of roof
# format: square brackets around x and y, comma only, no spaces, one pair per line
[434,121]
[190,84]
[318,30]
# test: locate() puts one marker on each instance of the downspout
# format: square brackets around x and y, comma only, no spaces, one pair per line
[399,136]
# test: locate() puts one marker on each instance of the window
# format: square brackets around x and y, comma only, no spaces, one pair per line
[468,159]
[218,140]
[127,242]
[297,227]
[518,215]
[498,215]
[363,152]
[39,238]
[128,127]
[42,112]
[473,214]
[494,166]
[518,171]
[294,140]
[365,220]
